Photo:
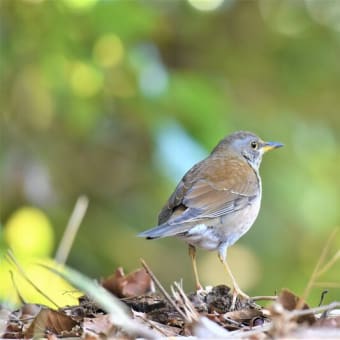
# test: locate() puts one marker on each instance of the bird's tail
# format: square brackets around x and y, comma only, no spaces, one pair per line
[163,230]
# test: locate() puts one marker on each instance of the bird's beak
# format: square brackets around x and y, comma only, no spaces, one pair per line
[267,146]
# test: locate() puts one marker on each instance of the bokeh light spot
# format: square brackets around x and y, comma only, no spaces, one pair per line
[85,80]
[80,5]
[153,79]
[176,150]
[108,50]
[206,5]
[37,183]
[29,232]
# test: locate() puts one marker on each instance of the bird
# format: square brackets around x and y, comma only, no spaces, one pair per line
[217,200]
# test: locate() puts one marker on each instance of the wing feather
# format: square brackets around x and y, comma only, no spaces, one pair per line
[205,194]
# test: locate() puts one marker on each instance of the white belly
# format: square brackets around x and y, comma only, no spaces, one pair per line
[226,229]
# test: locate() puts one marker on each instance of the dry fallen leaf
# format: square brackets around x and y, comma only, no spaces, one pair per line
[243,315]
[289,301]
[49,321]
[134,284]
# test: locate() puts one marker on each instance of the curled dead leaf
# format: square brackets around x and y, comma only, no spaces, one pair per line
[49,321]
[134,284]
[290,301]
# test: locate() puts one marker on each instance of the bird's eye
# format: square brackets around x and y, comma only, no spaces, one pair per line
[254,145]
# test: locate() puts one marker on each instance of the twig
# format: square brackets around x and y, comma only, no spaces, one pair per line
[316,270]
[233,322]
[329,264]
[71,230]
[264,297]
[162,290]
[322,297]
[11,258]
[315,310]
[181,297]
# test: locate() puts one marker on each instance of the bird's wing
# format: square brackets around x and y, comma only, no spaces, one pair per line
[206,194]
[208,190]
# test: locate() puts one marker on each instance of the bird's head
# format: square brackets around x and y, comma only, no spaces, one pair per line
[247,145]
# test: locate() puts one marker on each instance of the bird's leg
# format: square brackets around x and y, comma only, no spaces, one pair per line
[237,290]
[192,254]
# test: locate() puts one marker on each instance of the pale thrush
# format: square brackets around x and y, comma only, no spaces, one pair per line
[217,200]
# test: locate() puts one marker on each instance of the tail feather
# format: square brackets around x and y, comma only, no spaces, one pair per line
[163,230]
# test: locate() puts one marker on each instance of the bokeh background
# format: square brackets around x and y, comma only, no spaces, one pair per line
[117,99]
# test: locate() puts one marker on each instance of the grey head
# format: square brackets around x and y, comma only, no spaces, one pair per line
[247,145]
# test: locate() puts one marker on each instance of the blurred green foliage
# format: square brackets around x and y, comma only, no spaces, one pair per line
[89,88]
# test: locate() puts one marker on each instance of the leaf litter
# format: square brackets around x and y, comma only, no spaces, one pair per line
[202,314]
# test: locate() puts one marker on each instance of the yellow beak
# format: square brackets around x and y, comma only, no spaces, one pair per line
[267,146]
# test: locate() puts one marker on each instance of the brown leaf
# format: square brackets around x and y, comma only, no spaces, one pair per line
[133,284]
[289,301]
[50,321]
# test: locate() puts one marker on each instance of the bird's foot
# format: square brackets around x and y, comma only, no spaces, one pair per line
[198,287]
[203,291]
[200,290]
[237,292]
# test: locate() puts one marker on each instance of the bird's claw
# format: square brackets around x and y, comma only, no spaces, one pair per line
[237,292]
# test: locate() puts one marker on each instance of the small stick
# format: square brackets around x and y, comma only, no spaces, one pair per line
[233,322]
[12,259]
[71,229]
[189,309]
[264,297]
[161,288]
[323,294]
[315,310]
[316,270]
[329,264]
